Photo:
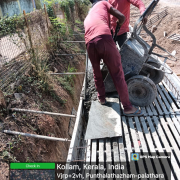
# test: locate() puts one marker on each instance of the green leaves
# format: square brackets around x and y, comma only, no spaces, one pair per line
[67,6]
[9,25]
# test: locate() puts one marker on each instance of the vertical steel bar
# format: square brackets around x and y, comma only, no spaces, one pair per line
[34,4]
[29,32]
[1,13]
[46,17]
[86,75]
[19,6]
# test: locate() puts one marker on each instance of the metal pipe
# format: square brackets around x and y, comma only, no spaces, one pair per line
[86,75]
[34,4]
[1,14]
[70,54]
[67,73]
[36,136]
[19,6]
[41,112]
[74,41]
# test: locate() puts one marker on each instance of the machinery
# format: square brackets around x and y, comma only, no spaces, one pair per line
[141,66]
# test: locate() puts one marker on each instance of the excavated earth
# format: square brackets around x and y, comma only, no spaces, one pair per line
[170,24]
[32,96]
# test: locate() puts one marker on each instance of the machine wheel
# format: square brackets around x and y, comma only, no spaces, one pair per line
[142,90]
[155,76]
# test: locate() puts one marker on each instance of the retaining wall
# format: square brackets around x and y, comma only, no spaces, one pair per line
[12,7]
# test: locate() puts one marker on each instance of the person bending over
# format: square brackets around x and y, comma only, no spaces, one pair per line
[100,45]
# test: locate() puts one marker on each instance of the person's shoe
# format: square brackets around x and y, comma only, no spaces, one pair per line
[102,102]
[136,113]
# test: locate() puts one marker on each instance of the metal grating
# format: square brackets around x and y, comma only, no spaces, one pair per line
[156,18]
[155,134]
[158,131]
[175,37]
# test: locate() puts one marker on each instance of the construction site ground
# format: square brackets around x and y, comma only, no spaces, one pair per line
[32,150]
[34,97]
[169,24]
[155,132]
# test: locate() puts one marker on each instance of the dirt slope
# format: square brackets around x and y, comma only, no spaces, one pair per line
[170,24]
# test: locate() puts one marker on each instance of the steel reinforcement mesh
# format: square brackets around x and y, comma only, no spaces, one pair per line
[15,49]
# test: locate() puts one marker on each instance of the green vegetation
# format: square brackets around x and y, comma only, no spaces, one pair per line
[68,7]
[38,4]
[68,81]
[10,25]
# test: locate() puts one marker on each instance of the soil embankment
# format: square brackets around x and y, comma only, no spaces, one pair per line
[59,94]
[169,25]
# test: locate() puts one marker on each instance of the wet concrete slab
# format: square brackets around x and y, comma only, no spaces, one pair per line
[104,120]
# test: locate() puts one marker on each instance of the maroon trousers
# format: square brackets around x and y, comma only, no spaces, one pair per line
[103,47]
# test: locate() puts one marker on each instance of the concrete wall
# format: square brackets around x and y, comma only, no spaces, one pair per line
[16,7]
[1,15]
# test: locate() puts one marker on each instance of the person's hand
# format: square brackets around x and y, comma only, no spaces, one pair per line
[118,23]
[144,21]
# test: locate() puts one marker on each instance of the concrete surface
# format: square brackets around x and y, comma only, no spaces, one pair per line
[104,120]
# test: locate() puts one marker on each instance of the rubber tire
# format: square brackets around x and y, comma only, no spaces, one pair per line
[155,76]
[142,90]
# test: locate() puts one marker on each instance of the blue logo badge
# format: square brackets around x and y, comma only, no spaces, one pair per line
[135,156]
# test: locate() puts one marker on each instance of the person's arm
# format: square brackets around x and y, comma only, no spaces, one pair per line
[139,4]
[118,15]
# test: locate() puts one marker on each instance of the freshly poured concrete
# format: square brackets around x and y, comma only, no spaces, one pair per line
[104,120]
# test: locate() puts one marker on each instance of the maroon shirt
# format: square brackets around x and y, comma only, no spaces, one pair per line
[124,7]
[97,21]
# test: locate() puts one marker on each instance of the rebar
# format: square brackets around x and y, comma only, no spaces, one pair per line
[42,112]
[35,136]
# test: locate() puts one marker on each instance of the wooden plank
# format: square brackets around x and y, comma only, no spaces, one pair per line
[165,100]
[144,111]
[158,107]
[141,137]
[122,157]
[127,138]
[143,144]
[122,154]
[116,154]
[128,145]
[162,105]
[88,158]
[94,157]
[115,150]
[153,109]
[176,123]
[150,144]
[169,91]
[101,150]
[166,145]
[168,98]
[178,118]
[159,146]
[174,82]
[108,156]
[136,145]
[94,151]
[170,137]
[101,155]
[150,113]
[173,129]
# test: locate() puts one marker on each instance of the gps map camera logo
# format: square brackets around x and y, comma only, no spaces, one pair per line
[135,156]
